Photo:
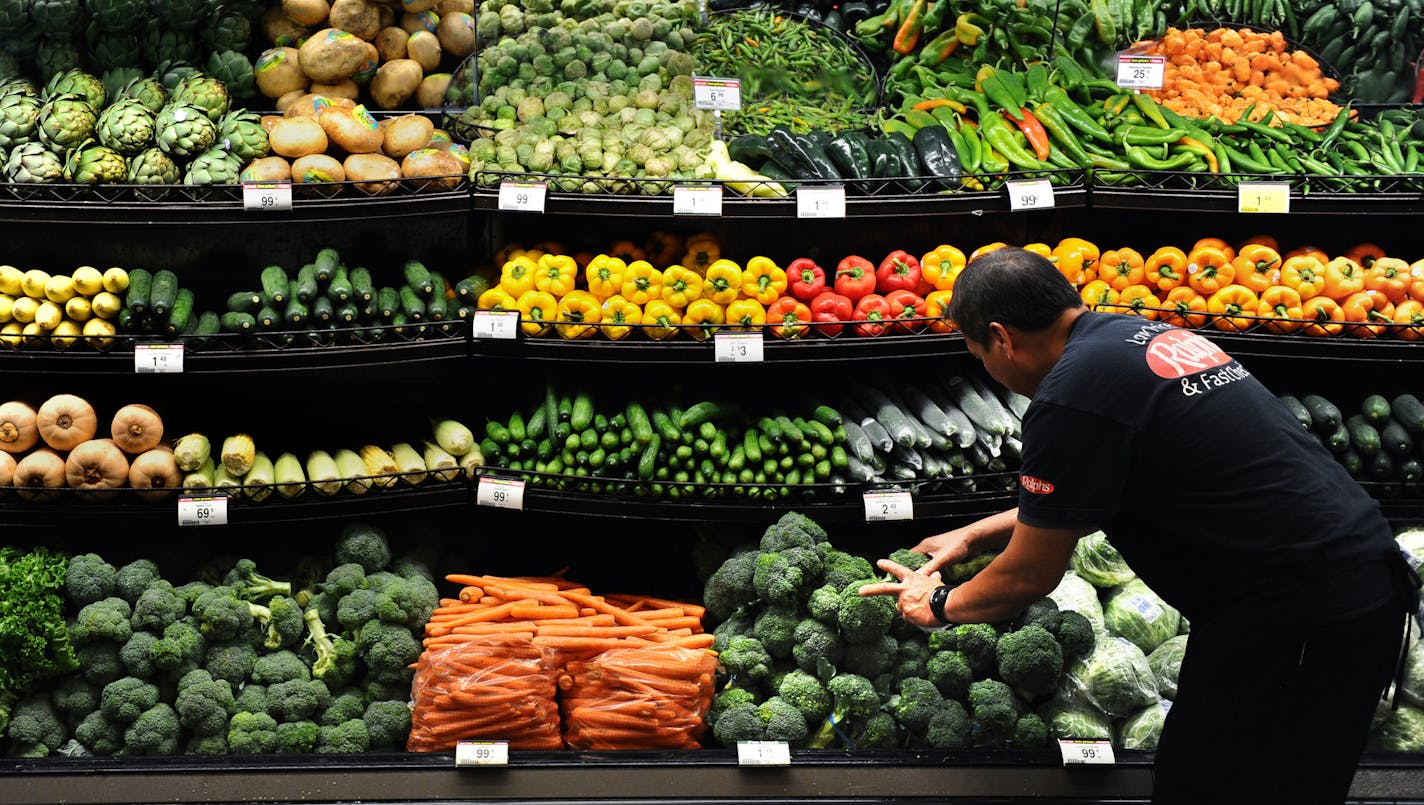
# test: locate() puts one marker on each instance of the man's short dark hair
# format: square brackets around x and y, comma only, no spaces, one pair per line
[1012,287]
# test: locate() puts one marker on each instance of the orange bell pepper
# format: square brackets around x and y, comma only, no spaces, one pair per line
[937,308]
[1390,276]
[1166,268]
[1410,315]
[763,280]
[1258,267]
[1099,294]
[1305,274]
[1364,311]
[1122,268]
[1263,240]
[1185,307]
[1364,253]
[939,268]
[1216,243]
[1209,269]
[1229,303]
[788,317]
[1077,260]
[1280,306]
[1343,277]
[1140,301]
[1324,314]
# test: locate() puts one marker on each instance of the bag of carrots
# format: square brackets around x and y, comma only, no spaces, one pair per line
[489,687]
[643,697]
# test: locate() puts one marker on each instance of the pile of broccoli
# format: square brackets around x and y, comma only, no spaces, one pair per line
[810,661]
[235,662]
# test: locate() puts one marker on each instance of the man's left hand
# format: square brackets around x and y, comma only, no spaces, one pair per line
[912,590]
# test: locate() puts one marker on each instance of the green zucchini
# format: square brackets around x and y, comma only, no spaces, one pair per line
[340,289]
[1395,439]
[1407,409]
[140,286]
[243,302]
[275,285]
[1375,409]
[418,277]
[307,288]
[181,316]
[410,304]
[1364,438]
[1324,416]
[1297,409]
[326,263]
[164,293]
[238,322]
[361,286]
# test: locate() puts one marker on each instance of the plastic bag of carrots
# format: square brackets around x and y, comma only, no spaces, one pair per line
[645,697]
[489,687]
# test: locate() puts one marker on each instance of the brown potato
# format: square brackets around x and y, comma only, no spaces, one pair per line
[395,82]
[280,30]
[431,92]
[306,12]
[405,134]
[457,33]
[390,43]
[442,170]
[297,137]
[267,169]
[278,71]
[357,17]
[424,48]
[353,130]
[332,55]
[316,168]
[373,173]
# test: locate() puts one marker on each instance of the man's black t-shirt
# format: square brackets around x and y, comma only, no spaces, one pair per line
[1202,479]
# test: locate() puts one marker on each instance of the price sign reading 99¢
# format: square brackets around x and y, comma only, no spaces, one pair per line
[500,493]
[522,196]
[1034,194]
[202,511]
[717,94]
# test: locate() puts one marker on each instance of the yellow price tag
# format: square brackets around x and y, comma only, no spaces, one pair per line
[1263,197]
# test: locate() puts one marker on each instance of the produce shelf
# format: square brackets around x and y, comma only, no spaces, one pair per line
[1203,192]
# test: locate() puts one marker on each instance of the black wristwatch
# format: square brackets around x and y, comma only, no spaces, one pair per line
[938,599]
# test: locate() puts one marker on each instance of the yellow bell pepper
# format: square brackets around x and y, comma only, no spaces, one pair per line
[557,274]
[660,319]
[497,298]
[620,317]
[517,276]
[642,282]
[724,282]
[579,311]
[537,310]
[703,317]
[763,280]
[681,286]
[940,267]
[605,276]
[746,314]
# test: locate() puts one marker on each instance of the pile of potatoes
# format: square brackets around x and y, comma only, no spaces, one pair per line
[394,49]
[321,139]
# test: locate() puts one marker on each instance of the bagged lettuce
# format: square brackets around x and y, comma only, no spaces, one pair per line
[1134,612]
[1099,563]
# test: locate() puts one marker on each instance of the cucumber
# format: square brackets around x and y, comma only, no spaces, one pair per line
[703,412]
[140,286]
[410,304]
[418,277]
[326,263]
[1324,416]
[243,302]
[388,302]
[274,285]
[1375,409]
[307,288]
[1297,409]
[181,315]
[340,289]
[163,294]
[1408,410]
[1395,439]
[297,314]
[1364,438]
[361,286]
[238,322]
[322,311]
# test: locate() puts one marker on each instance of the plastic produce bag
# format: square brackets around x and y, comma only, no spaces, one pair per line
[1142,729]
[1069,716]
[1135,613]
[1400,730]
[1074,593]
[1099,563]
[1166,663]
[1115,677]
[493,688]
[654,697]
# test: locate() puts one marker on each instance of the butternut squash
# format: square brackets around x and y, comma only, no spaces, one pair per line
[18,428]
[155,474]
[37,472]
[96,464]
[7,469]
[66,421]
[137,428]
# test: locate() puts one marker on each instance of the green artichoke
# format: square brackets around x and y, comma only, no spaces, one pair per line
[92,163]
[57,16]
[242,135]
[33,163]
[18,117]
[147,90]
[152,166]
[66,121]
[214,166]
[205,92]
[126,126]
[77,82]
[183,131]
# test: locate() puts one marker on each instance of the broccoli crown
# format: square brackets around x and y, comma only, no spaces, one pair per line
[222,615]
[739,722]
[879,732]
[137,655]
[949,727]
[730,587]
[871,659]
[74,696]
[279,666]
[154,732]
[99,662]
[388,650]
[824,604]
[252,734]
[1043,612]
[790,532]
[209,745]
[746,659]
[775,627]
[297,699]
[914,560]
[1075,635]
[740,623]
[807,694]
[285,627]
[1029,732]
[840,569]
[204,704]
[949,671]
[251,699]
[346,704]
[387,723]
[348,736]
[782,721]
[916,704]
[124,700]
[34,723]
[912,658]
[864,618]
[99,735]
[157,607]
[344,579]
[230,662]
[134,578]
[247,583]
[994,712]
[88,579]
[1030,660]
[978,642]
[365,545]
[297,736]
[103,620]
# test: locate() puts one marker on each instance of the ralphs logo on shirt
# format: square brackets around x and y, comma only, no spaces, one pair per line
[1175,354]
[1038,486]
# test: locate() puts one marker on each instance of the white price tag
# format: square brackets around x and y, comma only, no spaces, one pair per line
[763,753]
[481,753]
[150,359]
[267,196]
[202,511]
[495,324]
[721,94]
[522,196]
[883,506]
[820,202]
[738,347]
[1086,753]
[1263,197]
[697,200]
[1030,194]
[1141,72]
[501,493]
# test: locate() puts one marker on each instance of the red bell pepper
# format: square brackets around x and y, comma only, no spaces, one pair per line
[898,271]
[828,310]
[874,313]
[855,277]
[806,280]
[907,308]
[788,317]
